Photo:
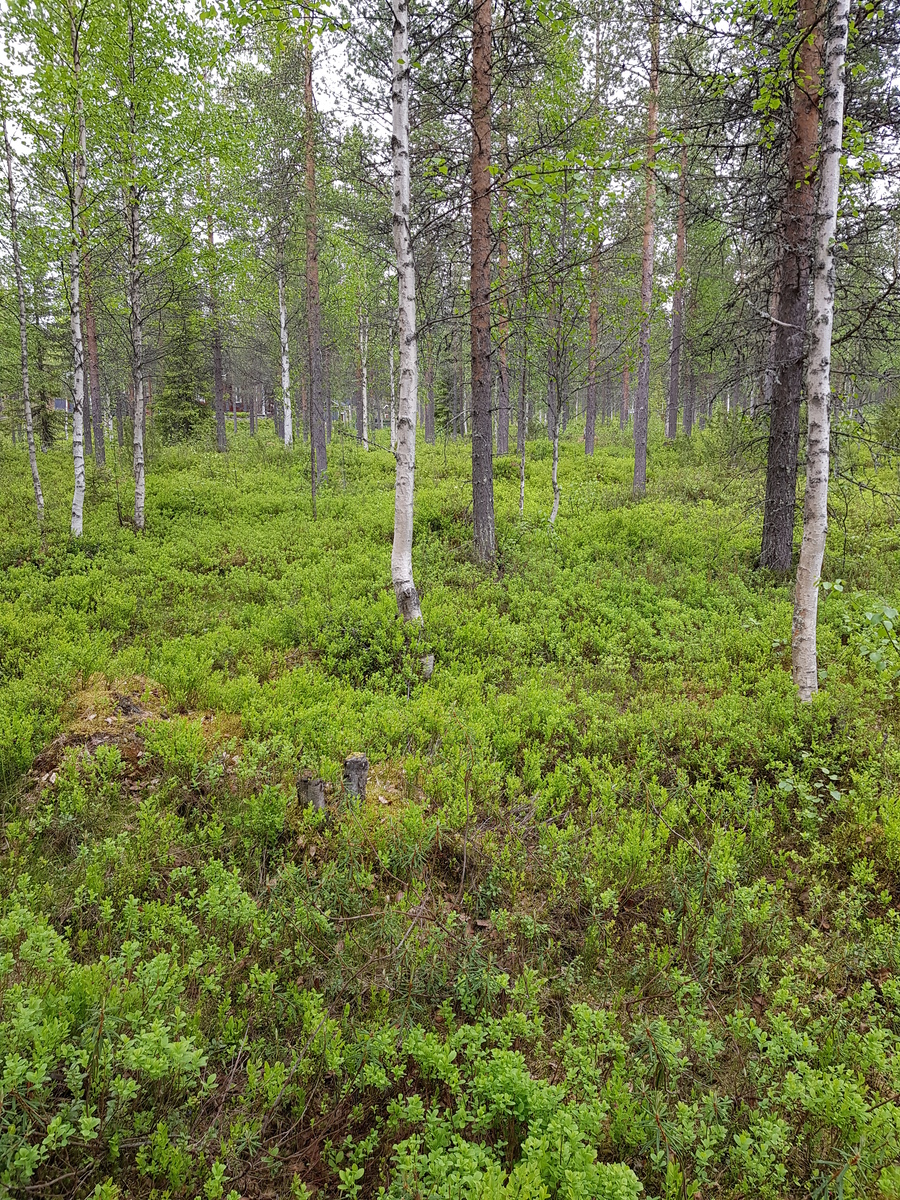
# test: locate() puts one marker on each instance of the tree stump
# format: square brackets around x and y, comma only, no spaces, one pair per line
[356,774]
[310,790]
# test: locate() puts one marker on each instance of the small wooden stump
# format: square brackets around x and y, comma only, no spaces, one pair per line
[356,775]
[310,790]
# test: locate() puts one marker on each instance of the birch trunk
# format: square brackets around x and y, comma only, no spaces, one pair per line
[401,553]
[23,328]
[626,389]
[363,415]
[313,302]
[818,369]
[75,212]
[642,397]
[285,348]
[132,207]
[677,303]
[218,378]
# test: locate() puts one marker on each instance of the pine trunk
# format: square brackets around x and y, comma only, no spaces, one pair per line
[677,303]
[795,236]
[642,397]
[480,288]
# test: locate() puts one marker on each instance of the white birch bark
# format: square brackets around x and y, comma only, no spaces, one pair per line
[23,327]
[818,370]
[76,206]
[401,554]
[364,365]
[285,349]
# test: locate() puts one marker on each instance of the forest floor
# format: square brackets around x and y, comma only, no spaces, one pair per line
[617,912]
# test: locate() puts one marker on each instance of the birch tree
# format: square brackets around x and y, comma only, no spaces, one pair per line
[401,553]
[818,369]
[283,343]
[23,324]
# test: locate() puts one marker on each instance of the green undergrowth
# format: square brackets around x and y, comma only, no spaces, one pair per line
[618,917]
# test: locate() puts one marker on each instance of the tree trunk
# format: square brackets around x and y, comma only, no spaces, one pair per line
[134,299]
[392,412]
[795,235]
[503,274]
[677,303]
[93,363]
[642,397]
[690,401]
[75,214]
[23,328]
[429,407]
[590,421]
[626,389]
[285,347]
[401,553]
[136,331]
[313,303]
[480,287]
[362,416]
[818,371]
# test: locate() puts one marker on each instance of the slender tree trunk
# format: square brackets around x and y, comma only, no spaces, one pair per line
[285,347]
[554,415]
[93,363]
[23,328]
[677,302]
[642,397]
[503,271]
[401,553]
[218,376]
[313,303]
[75,212]
[522,424]
[480,288]
[818,370]
[690,401]
[392,412]
[795,236]
[429,407]
[362,425]
[136,331]
[590,421]
[134,299]
[626,390]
